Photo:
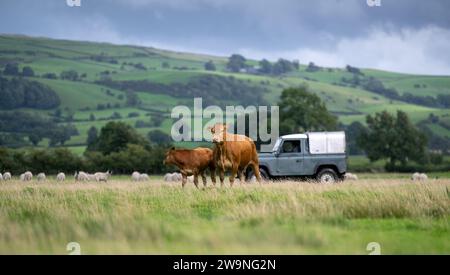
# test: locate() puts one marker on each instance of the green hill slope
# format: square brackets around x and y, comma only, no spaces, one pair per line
[87,102]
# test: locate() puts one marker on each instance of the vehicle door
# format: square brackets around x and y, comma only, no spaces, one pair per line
[290,158]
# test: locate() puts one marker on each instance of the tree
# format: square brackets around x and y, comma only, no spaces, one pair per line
[236,62]
[92,117]
[11,69]
[60,136]
[444,100]
[156,120]
[277,69]
[115,136]
[353,133]
[159,137]
[20,92]
[116,115]
[34,138]
[284,66]
[71,75]
[312,67]
[353,70]
[132,98]
[210,66]
[165,65]
[393,138]
[57,113]
[302,111]
[34,127]
[266,66]
[50,76]
[92,137]
[27,71]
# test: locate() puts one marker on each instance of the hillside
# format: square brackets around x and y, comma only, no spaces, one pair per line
[161,79]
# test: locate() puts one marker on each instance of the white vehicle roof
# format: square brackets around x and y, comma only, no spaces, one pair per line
[294,136]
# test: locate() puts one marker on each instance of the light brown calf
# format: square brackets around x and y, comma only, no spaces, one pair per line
[192,162]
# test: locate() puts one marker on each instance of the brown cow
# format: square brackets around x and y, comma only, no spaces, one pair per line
[234,152]
[192,162]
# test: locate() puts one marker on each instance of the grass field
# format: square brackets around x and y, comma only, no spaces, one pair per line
[276,218]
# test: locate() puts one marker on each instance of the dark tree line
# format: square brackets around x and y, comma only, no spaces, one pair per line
[12,69]
[104,58]
[55,160]
[353,70]
[120,148]
[237,62]
[22,129]
[280,67]
[22,93]
[312,68]
[50,161]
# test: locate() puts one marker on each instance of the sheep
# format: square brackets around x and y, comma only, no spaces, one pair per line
[350,176]
[27,176]
[173,177]
[61,177]
[7,176]
[177,176]
[1,177]
[168,177]
[143,177]
[91,177]
[83,176]
[135,176]
[41,177]
[99,176]
[423,177]
[419,177]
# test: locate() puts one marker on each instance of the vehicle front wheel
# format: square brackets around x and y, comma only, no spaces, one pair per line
[262,172]
[327,175]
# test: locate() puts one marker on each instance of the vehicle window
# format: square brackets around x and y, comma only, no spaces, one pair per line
[291,146]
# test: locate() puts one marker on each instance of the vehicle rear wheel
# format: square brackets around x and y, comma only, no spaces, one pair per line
[327,175]
[264,174]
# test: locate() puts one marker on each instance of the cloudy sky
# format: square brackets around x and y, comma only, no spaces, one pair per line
[401,35]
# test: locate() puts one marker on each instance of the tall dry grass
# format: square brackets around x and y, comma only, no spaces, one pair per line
[282,217]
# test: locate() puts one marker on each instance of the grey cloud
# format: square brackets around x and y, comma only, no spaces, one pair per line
[325,31]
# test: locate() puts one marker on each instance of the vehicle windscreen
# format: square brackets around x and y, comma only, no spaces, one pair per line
[277,145]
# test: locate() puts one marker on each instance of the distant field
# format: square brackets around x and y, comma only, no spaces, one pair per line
[277,218]
[421,86]
[76,95]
